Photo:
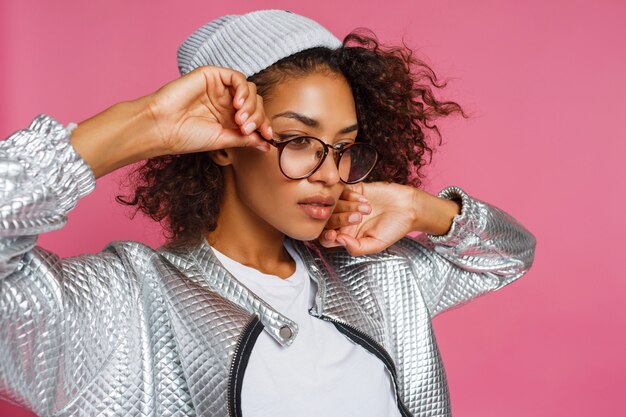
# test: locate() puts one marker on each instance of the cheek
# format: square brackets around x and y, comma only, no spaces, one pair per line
[250,164]
[260,183]
[271,196]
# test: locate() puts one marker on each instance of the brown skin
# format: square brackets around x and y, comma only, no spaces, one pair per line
[260,204]
[397,210]
[193,113]
[201,111]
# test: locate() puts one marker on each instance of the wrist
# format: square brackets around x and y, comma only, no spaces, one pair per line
[141,128]
[119,135]
[432,214]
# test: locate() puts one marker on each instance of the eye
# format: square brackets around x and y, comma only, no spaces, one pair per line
[300,142]
[343,144]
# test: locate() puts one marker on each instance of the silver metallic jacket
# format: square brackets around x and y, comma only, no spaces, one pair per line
[134,331]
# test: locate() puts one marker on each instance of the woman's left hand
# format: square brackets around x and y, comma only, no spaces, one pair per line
[391,211]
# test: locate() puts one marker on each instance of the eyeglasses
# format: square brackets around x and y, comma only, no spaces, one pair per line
[299,157]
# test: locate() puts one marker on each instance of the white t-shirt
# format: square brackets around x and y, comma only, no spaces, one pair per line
[323,372]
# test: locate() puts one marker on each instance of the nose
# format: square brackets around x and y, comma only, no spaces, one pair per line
[328,172]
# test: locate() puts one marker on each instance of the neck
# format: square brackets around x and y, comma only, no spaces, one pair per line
[243,236]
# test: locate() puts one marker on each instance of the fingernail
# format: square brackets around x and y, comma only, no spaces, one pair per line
[270,131]
[241,100]
[262,147]
[249,127]
[363,199]
[364,208]
[340,240]
[354,217]
[244,116]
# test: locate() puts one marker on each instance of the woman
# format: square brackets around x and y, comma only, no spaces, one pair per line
[279,155]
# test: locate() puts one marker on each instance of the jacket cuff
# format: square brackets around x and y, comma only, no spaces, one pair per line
[461,223]
[45,152]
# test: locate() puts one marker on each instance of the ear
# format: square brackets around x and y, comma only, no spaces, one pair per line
[221,157]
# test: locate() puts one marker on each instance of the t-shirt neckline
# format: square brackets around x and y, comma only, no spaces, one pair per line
[265,279]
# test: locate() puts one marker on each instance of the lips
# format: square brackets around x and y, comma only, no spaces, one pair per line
[318,206]
[318,200]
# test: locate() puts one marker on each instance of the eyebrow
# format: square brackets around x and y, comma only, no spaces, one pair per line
[312,122]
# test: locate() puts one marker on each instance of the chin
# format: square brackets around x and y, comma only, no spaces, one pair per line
[306,235]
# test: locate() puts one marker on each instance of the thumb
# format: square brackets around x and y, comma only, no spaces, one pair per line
[232,138]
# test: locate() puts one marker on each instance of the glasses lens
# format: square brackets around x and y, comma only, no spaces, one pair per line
[300,156]
[357,162]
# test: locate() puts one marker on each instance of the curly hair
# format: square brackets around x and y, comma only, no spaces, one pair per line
[395,108]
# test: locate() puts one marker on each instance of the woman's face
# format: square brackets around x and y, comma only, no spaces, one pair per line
[319,105]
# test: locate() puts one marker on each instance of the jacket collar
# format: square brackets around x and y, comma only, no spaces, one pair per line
[201,261]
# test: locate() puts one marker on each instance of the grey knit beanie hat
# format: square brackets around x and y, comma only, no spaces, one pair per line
[253,41]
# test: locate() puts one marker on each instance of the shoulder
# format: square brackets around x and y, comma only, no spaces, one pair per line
[129,246]
[119,257]
[131,252]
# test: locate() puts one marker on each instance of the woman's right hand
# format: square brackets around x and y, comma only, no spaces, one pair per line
[197,112]
[205,110]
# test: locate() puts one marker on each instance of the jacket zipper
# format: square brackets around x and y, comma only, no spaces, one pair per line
[380,352]
[236,359]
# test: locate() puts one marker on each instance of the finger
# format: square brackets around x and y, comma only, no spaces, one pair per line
[362,246]
[250,101]
[327,239]
[246,100]
[236,83]
[262,120]
[257,119]
[338,220]
[232,138]
[354,206]
[243,115]
[352,192]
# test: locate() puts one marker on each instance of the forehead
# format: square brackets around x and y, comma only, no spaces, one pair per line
[322,96]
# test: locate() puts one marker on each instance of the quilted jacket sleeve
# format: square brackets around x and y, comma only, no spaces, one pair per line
[43,319]
[484,250]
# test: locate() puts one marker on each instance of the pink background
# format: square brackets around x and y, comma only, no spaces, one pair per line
[546,83]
